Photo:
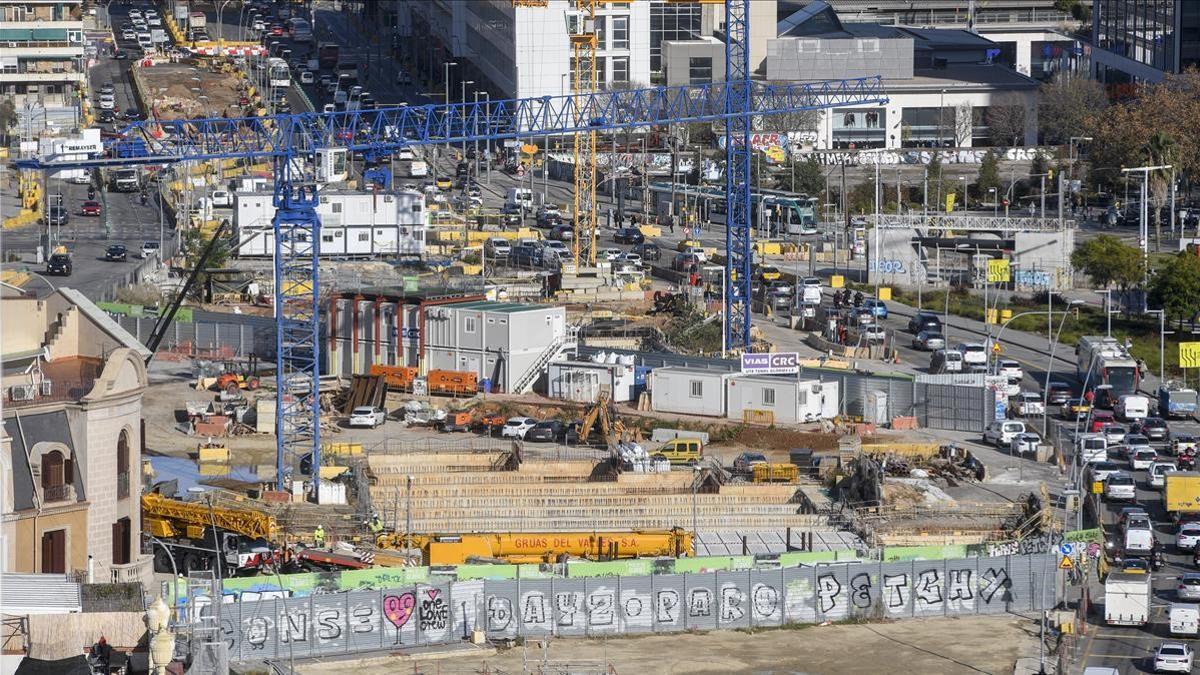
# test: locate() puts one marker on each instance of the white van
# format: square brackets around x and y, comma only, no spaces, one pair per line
[1092,448]
[946,361]
[1185,618]
[1132,407]
[522,197]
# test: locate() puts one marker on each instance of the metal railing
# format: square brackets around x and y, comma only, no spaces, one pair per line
[56,493]
[24,395]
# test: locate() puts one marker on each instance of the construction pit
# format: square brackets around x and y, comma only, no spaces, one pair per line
[187,90]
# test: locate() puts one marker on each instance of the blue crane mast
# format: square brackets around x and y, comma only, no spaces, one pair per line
[291,143]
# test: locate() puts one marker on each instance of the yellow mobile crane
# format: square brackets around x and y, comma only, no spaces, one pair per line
[191,534]
[540,547]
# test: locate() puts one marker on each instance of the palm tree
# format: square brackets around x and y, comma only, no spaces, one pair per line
[1159,150]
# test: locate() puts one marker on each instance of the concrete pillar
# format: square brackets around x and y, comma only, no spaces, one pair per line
[1031,121]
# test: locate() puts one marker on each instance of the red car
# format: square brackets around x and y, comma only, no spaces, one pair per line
[91,208]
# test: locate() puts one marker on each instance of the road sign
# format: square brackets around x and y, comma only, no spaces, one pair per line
[1066,549]
[998,271]
[1189,354]
[1066,563]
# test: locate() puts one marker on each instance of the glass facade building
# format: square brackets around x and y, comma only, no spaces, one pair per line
[670,21]
[1161,34]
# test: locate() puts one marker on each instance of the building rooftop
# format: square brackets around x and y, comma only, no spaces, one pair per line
[966,75]
[502,307]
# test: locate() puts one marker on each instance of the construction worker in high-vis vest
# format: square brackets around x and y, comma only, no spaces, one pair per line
[319,536]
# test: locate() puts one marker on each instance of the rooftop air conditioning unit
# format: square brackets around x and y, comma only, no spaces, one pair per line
[47,387]
[21,392]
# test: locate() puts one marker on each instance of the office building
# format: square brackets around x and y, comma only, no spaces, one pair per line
[943,87]
[42,63]
[1140,40]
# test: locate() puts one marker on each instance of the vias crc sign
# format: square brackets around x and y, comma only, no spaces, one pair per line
[773,363]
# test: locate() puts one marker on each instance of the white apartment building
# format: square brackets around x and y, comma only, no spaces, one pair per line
[523,49]
[353,224]
[42,66]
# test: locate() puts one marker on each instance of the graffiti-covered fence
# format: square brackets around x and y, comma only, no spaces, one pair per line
[265,624]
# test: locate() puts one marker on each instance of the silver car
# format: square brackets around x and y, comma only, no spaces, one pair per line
[929,341]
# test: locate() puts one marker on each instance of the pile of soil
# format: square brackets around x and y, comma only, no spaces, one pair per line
[764,438]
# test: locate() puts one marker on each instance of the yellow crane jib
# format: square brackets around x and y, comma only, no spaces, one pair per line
[170,518]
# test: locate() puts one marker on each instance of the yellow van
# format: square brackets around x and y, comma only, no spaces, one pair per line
[680,450]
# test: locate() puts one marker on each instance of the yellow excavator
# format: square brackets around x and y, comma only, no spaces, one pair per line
[604,413]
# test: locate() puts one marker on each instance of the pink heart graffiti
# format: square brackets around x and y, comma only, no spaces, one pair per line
[432,593]
[399,608]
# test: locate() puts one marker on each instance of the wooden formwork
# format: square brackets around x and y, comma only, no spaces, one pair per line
[477,461]
[614,523]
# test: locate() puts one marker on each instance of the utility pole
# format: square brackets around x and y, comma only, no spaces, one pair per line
[1144,214]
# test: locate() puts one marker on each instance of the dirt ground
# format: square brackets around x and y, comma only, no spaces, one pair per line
[186,90]
[963,645]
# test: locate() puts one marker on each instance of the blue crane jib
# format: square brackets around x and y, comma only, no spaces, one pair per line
[291,141]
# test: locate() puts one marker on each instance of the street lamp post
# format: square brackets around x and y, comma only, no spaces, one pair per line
[1162,343]
[464,84]
[1144,215]
[995,202]
[1050,365]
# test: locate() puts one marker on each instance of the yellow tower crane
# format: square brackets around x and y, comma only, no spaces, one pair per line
[583,81]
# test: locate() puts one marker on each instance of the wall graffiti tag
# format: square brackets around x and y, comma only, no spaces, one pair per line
[258,625]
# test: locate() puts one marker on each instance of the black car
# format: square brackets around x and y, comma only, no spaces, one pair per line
[120,54]
[547,431]
[133,114]
[924,321]
[116,252]
[59,264]
[648,251]
[57,215]
[1154,428]
[629,235]
[107,116]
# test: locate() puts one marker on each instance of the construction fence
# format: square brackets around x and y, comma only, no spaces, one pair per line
[272,625]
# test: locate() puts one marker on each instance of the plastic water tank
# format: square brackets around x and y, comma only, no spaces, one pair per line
[599,357]
[626,359]
[875,408]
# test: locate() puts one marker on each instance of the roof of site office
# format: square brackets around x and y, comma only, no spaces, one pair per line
[503,307]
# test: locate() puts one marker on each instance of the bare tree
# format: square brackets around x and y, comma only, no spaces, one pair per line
[1006,120]
[964,124]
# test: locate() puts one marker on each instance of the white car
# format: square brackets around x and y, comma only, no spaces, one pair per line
[630,257]
[1024,444]
[1028,404]
[974,353]
[1158,473]
[609,254]
[1115,434]
[1188,536]
[557,247]
[1009,369]
[874,334]
[1173,657]
[1120,486]
[1142,458]
[515,427]
[107,102]
[1002,433]
[307,77]
[698,252]
[149,248]
[367,416]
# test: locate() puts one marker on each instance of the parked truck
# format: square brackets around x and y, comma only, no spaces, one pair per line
[188,534]
[1127,599]
[1176,401]
[1181,493]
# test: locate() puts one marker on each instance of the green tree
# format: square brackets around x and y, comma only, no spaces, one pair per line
[1175,287]
[861,198]
[1108,261]
[807,177]
[8,118]
[192,247]
[989,176]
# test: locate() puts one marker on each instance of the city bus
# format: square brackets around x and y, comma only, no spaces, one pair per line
[1101,360]
[279,74]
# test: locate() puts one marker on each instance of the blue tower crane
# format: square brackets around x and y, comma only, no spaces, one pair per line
[291,143]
